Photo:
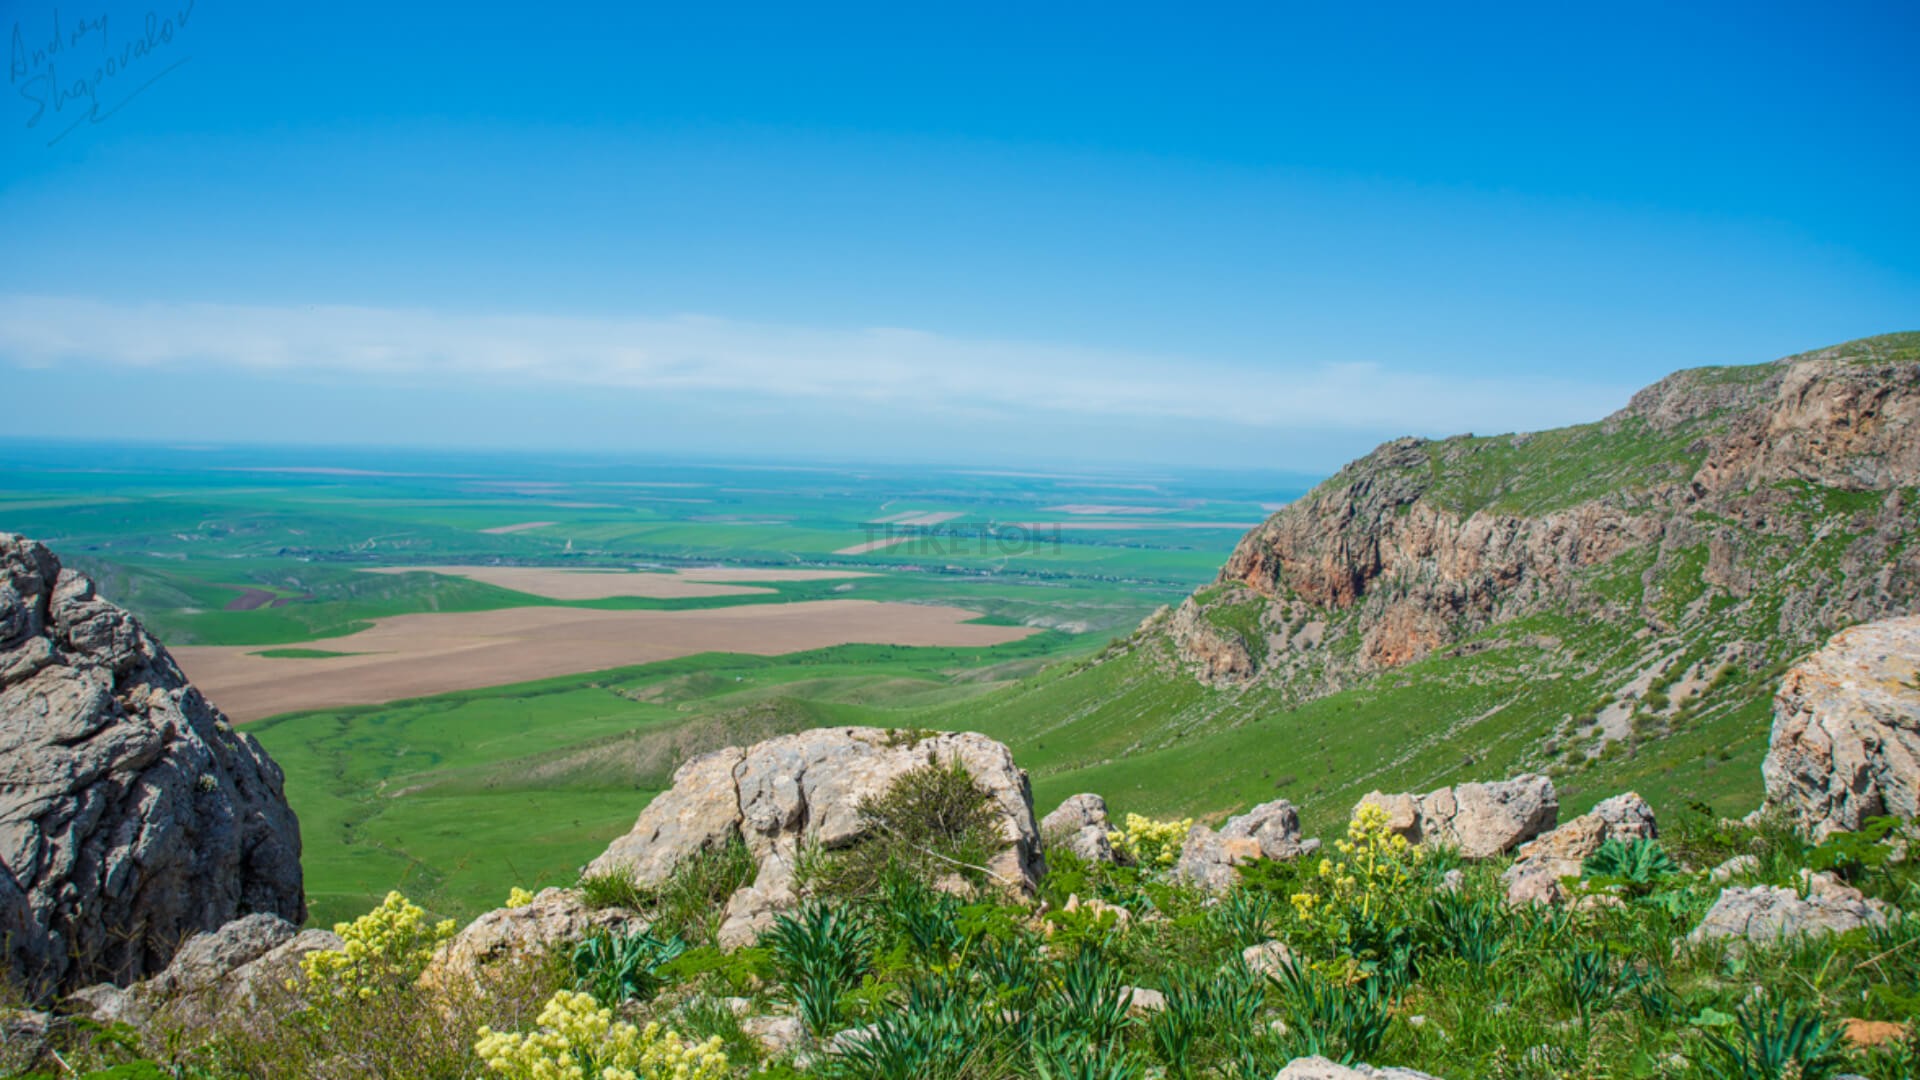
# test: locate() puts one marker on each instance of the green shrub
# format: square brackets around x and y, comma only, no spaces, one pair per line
[1344,1023]
[1472,929]
[939,1033]
[1245,917]
[615,890]
[932,822]
[691,903]
[1089,999]
[820,953]
[1638,866]
[1203,1010]
[1075,1057]
[1785,1041]
[625,967]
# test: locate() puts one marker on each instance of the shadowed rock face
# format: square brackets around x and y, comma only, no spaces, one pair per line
[1846,730]
[1422,543]
[132,815]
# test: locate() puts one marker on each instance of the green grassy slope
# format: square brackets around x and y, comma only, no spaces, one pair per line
[458,797]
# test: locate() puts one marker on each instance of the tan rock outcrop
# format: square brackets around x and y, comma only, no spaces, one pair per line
[1079,825]
[225,974]
[1539,864]
[806,789]
[1268,831]
[553,918]
[1769,914]
[1481,820]
[1846,730]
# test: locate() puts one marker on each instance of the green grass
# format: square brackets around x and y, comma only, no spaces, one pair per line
[457,798]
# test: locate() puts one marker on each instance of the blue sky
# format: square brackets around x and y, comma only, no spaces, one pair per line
[1270,235]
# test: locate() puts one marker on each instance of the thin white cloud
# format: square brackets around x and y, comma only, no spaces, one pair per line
[896,369]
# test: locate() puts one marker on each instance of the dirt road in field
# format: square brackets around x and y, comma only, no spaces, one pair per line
[561,584]
[415,655]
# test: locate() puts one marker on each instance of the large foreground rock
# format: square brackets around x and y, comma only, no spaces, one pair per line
[1767,914]
[1539,865]
[132,815]
[806,788]
[1482,820]
[1268,831]
[1080,825]
[1846,730]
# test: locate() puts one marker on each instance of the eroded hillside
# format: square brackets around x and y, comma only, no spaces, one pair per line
[1610,602]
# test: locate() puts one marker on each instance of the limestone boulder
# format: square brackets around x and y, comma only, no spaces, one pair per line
[806,789]
[1268,831]
[1275,826]
[1268,958]
[225,973]
[1481,820]
[132,814]
[1540,863]
[1845,744]
[1079,825]
[555,918]
[1768,914]
[1319,1068]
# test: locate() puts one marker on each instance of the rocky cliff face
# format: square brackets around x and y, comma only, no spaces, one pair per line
[1845,745]
[132,815]
[1775,500]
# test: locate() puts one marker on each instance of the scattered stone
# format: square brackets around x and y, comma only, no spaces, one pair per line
[1846,730]
[1080,825]
[1207,859]
[850,1038]
[1481,820]
[217,975]
[1738,866]
[1275,826]
[1268,831]
[1266,958]
[1453,880]
[1765,914]
[776,1034]
[1539,865]
[554,917]
[807,788]
[132,815]
[1319,1068]
[1144,1002]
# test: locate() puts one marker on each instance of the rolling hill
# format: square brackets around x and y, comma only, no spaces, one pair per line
[1610,603]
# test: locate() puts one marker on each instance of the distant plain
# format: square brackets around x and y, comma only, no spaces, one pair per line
[728,599]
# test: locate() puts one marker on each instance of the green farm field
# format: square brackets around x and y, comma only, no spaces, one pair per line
[459,796]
